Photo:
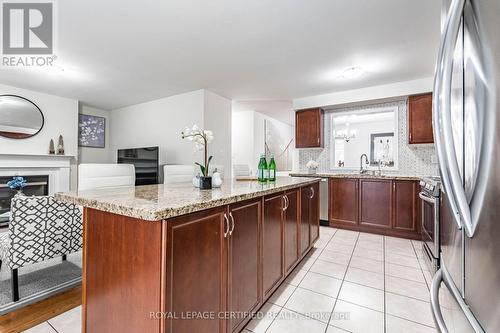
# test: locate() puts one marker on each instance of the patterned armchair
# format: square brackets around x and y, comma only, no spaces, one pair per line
[40,229]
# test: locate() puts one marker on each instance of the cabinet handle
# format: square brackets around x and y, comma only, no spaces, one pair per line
[226,225]
[232,223]
[312,193]
[285,202]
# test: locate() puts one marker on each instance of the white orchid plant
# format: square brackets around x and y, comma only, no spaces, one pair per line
[201,139]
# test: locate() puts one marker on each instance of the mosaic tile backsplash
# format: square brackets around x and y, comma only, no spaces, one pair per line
[414,160]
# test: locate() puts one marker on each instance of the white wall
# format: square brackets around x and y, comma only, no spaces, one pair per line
[404,88]
[248,135]
[61,117]
[158,123]
[96,155]
[217,118]
[243,138]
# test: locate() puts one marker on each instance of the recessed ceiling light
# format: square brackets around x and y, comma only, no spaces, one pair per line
[352,72]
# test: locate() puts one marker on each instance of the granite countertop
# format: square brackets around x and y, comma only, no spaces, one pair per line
[159,202]
[357,175]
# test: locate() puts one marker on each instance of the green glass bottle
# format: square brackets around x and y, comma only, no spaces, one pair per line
[272,169]
[263,171]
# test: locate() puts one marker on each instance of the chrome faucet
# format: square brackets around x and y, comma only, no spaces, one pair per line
[361,170]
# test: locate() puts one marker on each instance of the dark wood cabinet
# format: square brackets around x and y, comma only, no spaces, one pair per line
[218,265]
[314,212]
[305,216]
[384,206]
[343,201]
[272,242]
[309,128]
[291,228]
[420,119]
[197,270]
[375,203]
[244,269]
[406,206]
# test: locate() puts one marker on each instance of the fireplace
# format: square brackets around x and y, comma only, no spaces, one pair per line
[35,185]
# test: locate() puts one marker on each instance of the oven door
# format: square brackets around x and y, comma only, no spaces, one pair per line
[430,223]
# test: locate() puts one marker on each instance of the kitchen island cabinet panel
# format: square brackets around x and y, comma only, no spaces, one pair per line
[197,270]
[245,294]
[272,243]
[291,227]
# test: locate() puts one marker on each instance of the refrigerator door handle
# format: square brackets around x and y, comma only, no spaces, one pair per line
[442,115]
[435,307]
[442,275]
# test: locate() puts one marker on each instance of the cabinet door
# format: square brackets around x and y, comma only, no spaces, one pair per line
[272,239]
[291,229]
[244,263]
[196,270]
[314,217]
[420,119]
[309,128]
[343,201]
[305,219]
[406,205]
[375,203]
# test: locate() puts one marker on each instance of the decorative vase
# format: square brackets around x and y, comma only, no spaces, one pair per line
[312,171]
[205,183]
[216,179]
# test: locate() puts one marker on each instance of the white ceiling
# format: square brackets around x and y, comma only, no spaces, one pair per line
[116,53]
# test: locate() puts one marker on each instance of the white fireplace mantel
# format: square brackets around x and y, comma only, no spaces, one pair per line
[57,167]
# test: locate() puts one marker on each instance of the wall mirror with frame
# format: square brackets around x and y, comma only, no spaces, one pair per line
[370,131]
[20,118]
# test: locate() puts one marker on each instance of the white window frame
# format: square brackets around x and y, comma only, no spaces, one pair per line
[365,110]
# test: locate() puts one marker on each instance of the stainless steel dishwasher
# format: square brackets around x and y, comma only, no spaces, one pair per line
[323,197]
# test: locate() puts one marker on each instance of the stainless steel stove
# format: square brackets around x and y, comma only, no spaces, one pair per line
[430,188]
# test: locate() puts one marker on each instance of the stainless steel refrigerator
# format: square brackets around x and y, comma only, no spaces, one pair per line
[465,291]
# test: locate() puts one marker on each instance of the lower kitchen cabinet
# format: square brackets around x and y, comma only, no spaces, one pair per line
[272,242]
[244,261]
[406,207]
[384,206]
[197,270]
[291,228]
[375,203]
[343,203]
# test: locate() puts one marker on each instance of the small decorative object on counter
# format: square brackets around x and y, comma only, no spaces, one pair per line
[201,138]
[52,150]
[216,179]
[272,169]
[312,166]
[263,170]
[17,183]
[60,146]
[196,181]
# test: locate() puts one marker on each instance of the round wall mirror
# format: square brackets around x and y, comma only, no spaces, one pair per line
[20,118]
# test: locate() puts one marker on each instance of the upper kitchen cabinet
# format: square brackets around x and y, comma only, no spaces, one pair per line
[420,119]
[309,128]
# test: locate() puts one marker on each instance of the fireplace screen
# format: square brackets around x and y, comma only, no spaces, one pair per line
[35,185]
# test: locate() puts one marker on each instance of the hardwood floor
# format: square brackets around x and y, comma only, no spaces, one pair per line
[34,314]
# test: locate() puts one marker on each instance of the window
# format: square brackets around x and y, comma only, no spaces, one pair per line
[370,131]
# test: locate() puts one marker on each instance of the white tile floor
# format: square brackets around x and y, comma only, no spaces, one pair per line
[350,282]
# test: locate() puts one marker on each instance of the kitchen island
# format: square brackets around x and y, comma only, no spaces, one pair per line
[172,258]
